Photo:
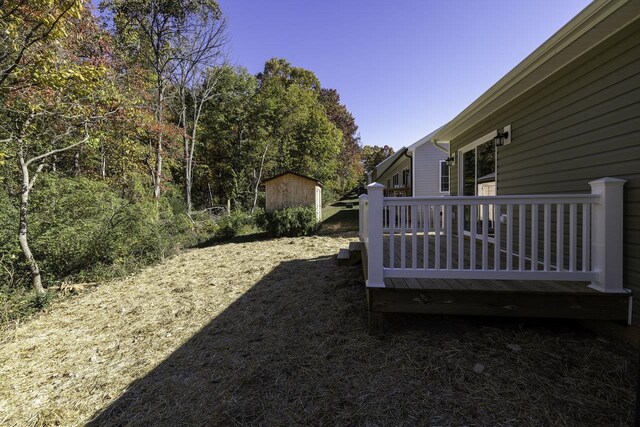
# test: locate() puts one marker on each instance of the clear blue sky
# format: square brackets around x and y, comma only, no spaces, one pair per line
[403,67]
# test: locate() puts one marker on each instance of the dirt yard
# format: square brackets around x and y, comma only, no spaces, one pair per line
[273,332]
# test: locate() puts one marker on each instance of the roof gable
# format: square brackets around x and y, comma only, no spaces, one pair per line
[291,173]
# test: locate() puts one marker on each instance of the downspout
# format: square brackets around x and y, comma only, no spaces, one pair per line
[410,171]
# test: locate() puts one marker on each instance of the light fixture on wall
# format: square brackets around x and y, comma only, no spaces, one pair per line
[500,138]
[450,161]
[504,137]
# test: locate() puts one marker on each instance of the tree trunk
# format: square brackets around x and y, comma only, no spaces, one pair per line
[255,192]
[76,162]
[157,177]
[36,279]
[103,161]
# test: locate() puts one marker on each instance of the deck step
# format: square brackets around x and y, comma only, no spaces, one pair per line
[344,257]
[348,257]
[355,246]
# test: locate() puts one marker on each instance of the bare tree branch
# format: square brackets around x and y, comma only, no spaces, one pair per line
[60,150]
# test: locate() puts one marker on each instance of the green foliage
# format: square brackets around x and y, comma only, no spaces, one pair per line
[17,303]
[288,222]
[373,155]
[232,225]
[81,228]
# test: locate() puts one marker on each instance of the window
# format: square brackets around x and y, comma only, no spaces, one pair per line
[444,177]
[395,180]
[388,183]
[406,178]
[477,171]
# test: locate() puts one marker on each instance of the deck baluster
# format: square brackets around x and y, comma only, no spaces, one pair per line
[573,235]
[496,237]
[448,215]
[510,237]
[403,218]
[437,224]
[472,240]
[414,237]
[521,235]
[392,236]
[586,236]
[534,237]
[560,237]
[427,226]
[485,236]
[460,237]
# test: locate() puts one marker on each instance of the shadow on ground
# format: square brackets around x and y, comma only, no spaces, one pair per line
[293,350]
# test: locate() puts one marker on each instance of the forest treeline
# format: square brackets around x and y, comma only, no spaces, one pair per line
[120,124]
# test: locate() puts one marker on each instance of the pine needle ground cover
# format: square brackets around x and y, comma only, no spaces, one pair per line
[273,332]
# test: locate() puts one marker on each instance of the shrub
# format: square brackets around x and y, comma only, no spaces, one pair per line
[289,222]
[230,226]
[82,228]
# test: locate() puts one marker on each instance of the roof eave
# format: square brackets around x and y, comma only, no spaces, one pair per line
[594,14]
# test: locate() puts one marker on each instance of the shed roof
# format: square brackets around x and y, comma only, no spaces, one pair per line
[292,173]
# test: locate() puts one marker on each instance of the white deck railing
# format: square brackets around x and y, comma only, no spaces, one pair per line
[574,237]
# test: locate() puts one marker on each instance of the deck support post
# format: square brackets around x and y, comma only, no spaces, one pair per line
[607,234]
[375,238]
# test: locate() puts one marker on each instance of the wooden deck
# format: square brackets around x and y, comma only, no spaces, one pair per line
[547,299]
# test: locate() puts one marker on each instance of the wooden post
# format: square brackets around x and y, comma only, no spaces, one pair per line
[361,214]
[375,246]
[607,234]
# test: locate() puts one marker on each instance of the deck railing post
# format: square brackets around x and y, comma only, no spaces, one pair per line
[607,234]
[361,213]
[375,226]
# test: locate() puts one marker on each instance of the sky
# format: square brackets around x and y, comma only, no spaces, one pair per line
[403,68]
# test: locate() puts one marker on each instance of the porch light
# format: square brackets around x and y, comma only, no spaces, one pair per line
[450,161]
[501,138]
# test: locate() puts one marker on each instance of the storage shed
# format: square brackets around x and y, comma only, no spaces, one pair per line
[290,189]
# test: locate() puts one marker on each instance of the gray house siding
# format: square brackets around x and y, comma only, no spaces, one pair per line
[580,124]
[427,170]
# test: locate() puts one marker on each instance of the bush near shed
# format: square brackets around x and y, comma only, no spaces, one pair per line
[289,222]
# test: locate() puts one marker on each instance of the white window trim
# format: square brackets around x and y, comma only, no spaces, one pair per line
[460,159]
[440,180]
[406,175]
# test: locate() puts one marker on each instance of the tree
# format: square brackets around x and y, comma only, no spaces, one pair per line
[198,49]
[151,32]
[49,104]
[374,155]
[350,162]
[25,26]
[232,138]
[300,136]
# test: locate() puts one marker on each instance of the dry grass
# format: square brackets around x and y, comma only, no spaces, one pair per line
[274,333]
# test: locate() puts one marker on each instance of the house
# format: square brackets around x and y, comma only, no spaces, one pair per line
[419,170]
[430,168]
[394,173]
[290,189]
[557,140]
